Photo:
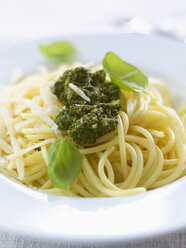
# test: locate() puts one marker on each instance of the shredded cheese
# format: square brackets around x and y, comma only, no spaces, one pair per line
[42,113]
[15,144]
[51,101]
[129,107]
[5,146]
[3,162]
[16,76]
[30,148]
[79,92]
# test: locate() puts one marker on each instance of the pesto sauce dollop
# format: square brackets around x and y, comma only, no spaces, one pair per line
[86,121]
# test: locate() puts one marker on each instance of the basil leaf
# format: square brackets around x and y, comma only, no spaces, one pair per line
[60,51]
[124,75]
[64,164]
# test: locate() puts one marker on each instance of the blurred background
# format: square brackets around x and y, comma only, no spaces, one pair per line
[22,20]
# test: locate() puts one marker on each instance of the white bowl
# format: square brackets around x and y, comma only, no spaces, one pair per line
[104,220]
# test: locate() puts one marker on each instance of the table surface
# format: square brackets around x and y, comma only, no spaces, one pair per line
[23,20]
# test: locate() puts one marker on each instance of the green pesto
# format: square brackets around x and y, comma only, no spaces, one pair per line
[86,121]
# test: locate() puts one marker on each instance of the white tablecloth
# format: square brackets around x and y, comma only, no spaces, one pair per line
[172,240]
[23,20]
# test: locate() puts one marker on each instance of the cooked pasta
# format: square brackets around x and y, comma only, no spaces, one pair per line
[146,151]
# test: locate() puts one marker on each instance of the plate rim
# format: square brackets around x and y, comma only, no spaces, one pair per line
[83,239]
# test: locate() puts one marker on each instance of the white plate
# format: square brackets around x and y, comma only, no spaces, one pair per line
[104,220]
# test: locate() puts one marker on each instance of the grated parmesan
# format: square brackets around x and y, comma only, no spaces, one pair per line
[79,92]
[130,107]
[41,113]
[6,114]
[30,148]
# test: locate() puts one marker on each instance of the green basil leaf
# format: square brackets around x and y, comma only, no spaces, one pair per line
[64,164]
[60,51]
[124,75]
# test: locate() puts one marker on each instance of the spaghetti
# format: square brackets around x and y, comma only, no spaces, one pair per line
[146,151]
